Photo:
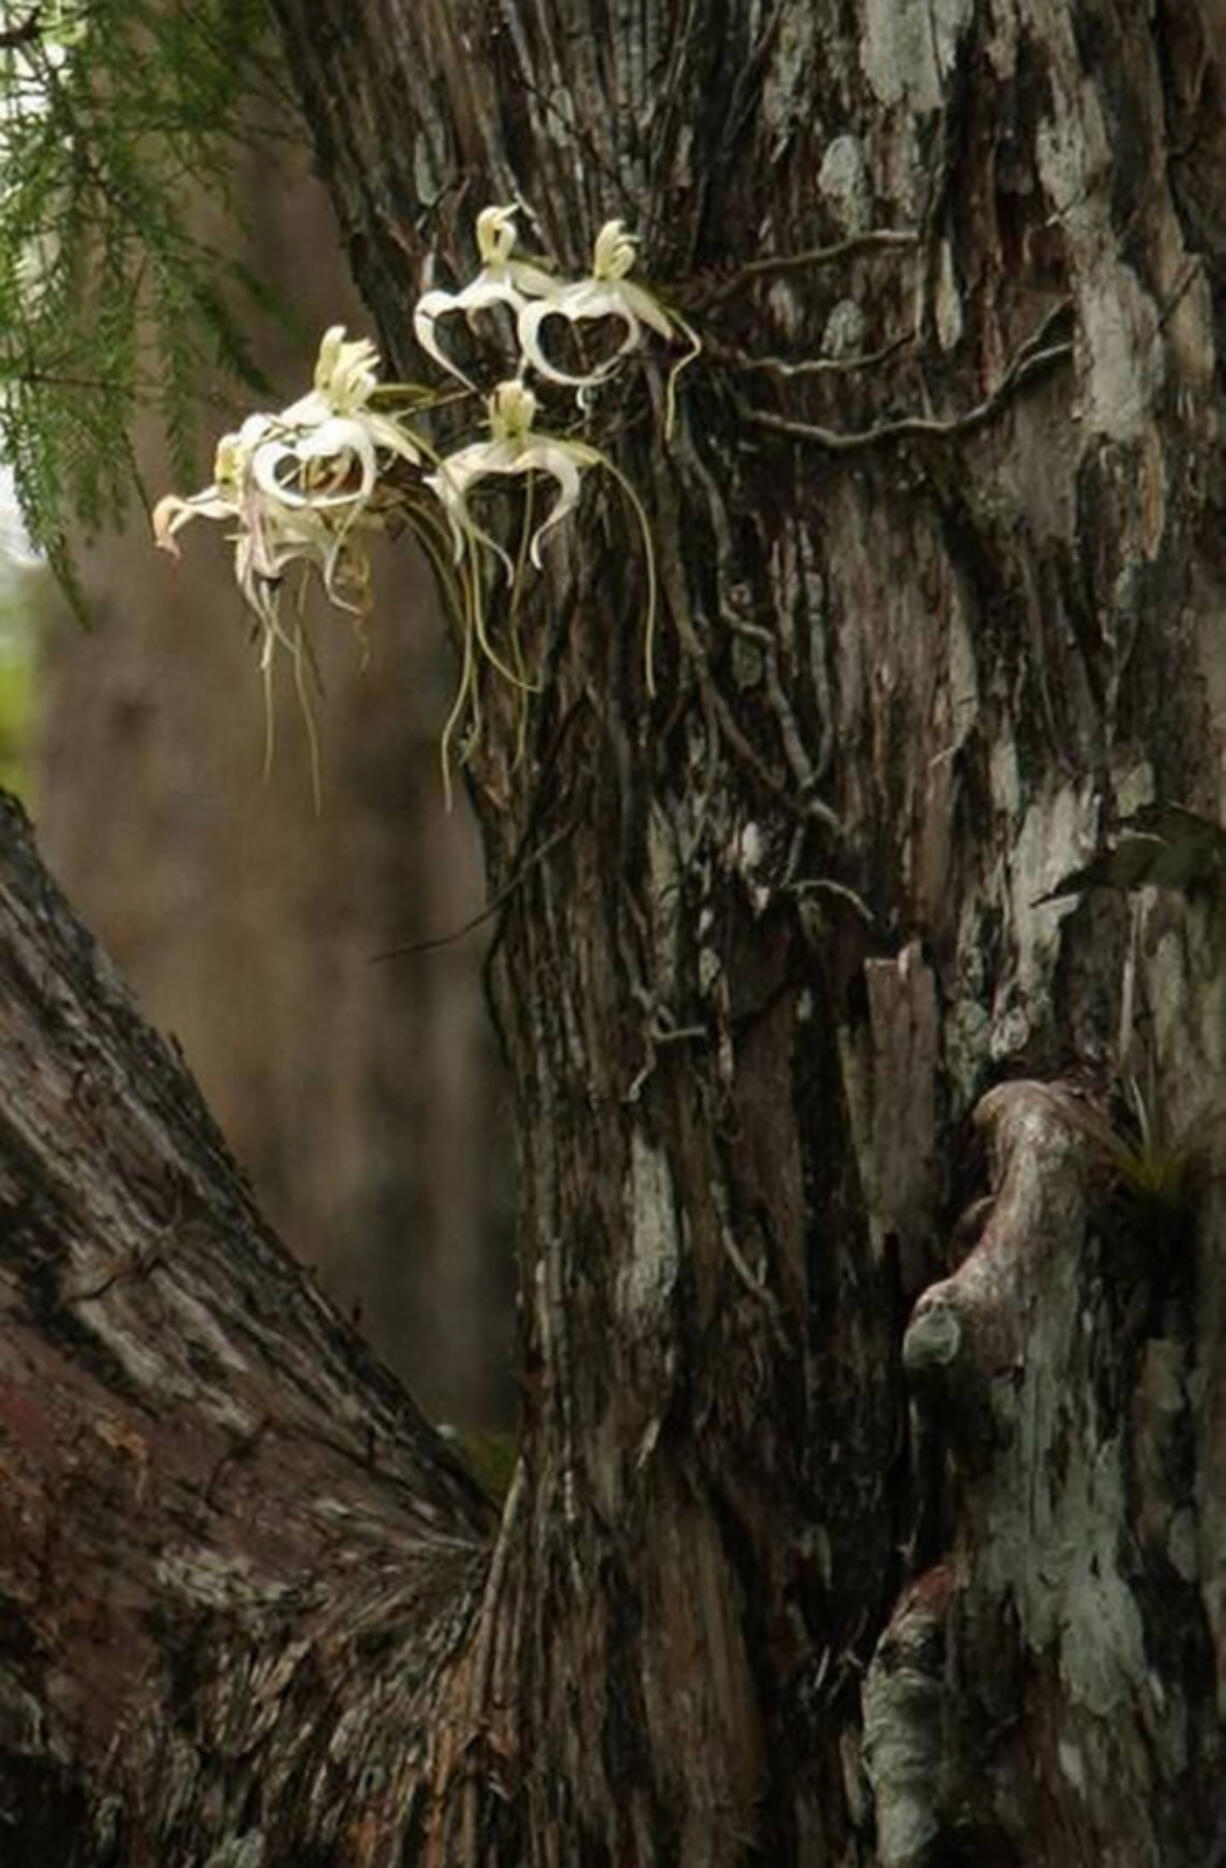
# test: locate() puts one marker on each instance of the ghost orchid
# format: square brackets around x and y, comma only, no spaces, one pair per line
[607,293]
[502,280]
[513,448]
[297,484]
[345,381]
[275,526]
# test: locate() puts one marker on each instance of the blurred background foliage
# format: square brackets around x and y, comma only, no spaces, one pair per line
[25,593]
[167,262]
[119,120]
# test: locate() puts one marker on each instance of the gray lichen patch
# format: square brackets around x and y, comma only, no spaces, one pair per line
[843,180]
[647,1280]
[784,89]
[1046,1505]
[905,1727]
[908,46]
[1124,355]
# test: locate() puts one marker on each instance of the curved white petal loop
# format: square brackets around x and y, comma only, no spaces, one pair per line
[512,283]
[578,304]
[171,514]
[608,293]
[513,449]
[321,466]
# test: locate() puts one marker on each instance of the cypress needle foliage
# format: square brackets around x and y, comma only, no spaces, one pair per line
[115,115]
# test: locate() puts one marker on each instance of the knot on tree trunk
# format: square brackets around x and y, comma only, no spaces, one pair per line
[964,1349]
[1032,1654]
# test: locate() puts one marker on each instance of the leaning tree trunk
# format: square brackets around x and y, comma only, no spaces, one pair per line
[871,1498]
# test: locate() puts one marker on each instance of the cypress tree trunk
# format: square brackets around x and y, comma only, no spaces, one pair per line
[871,1496]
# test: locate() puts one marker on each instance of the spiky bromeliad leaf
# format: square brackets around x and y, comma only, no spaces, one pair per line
[114,117]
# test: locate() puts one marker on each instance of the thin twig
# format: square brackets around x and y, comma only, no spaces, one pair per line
[809,366]
[881,238]
[491,908]
[1028,362]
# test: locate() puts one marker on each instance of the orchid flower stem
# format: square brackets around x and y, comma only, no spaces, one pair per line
[302,660]
[452,587]
[270,722]
[521,563]
[674,375]
[466,690]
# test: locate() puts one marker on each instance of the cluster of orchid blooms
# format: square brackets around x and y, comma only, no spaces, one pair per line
[307,486]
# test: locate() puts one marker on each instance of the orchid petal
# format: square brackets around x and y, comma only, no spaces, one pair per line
[459,473]
[388,433]
[578,304]
[488,288]
[430,306]
[496,234]
[615,251]
[456,475]
[342,438]
[308,411]
[553,458]
[171,514]
[643,305]
[533,281]
[344,379]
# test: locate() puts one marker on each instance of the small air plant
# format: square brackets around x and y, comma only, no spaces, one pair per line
[1157,1167]
[306,487]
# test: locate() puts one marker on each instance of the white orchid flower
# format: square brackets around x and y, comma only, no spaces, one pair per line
[345,381]
[607,293]
[322,463]
[512,449]
[276,527]
[345,377]
[502,280]
[298,483]
[227,498]
[298,488]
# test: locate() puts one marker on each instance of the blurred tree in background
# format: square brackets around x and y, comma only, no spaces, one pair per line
[357,1094]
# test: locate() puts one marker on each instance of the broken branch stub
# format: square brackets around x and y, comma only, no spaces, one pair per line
[964,1351]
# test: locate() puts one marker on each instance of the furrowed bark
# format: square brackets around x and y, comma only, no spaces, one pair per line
[935,537]
[937,540]
[236,1564]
